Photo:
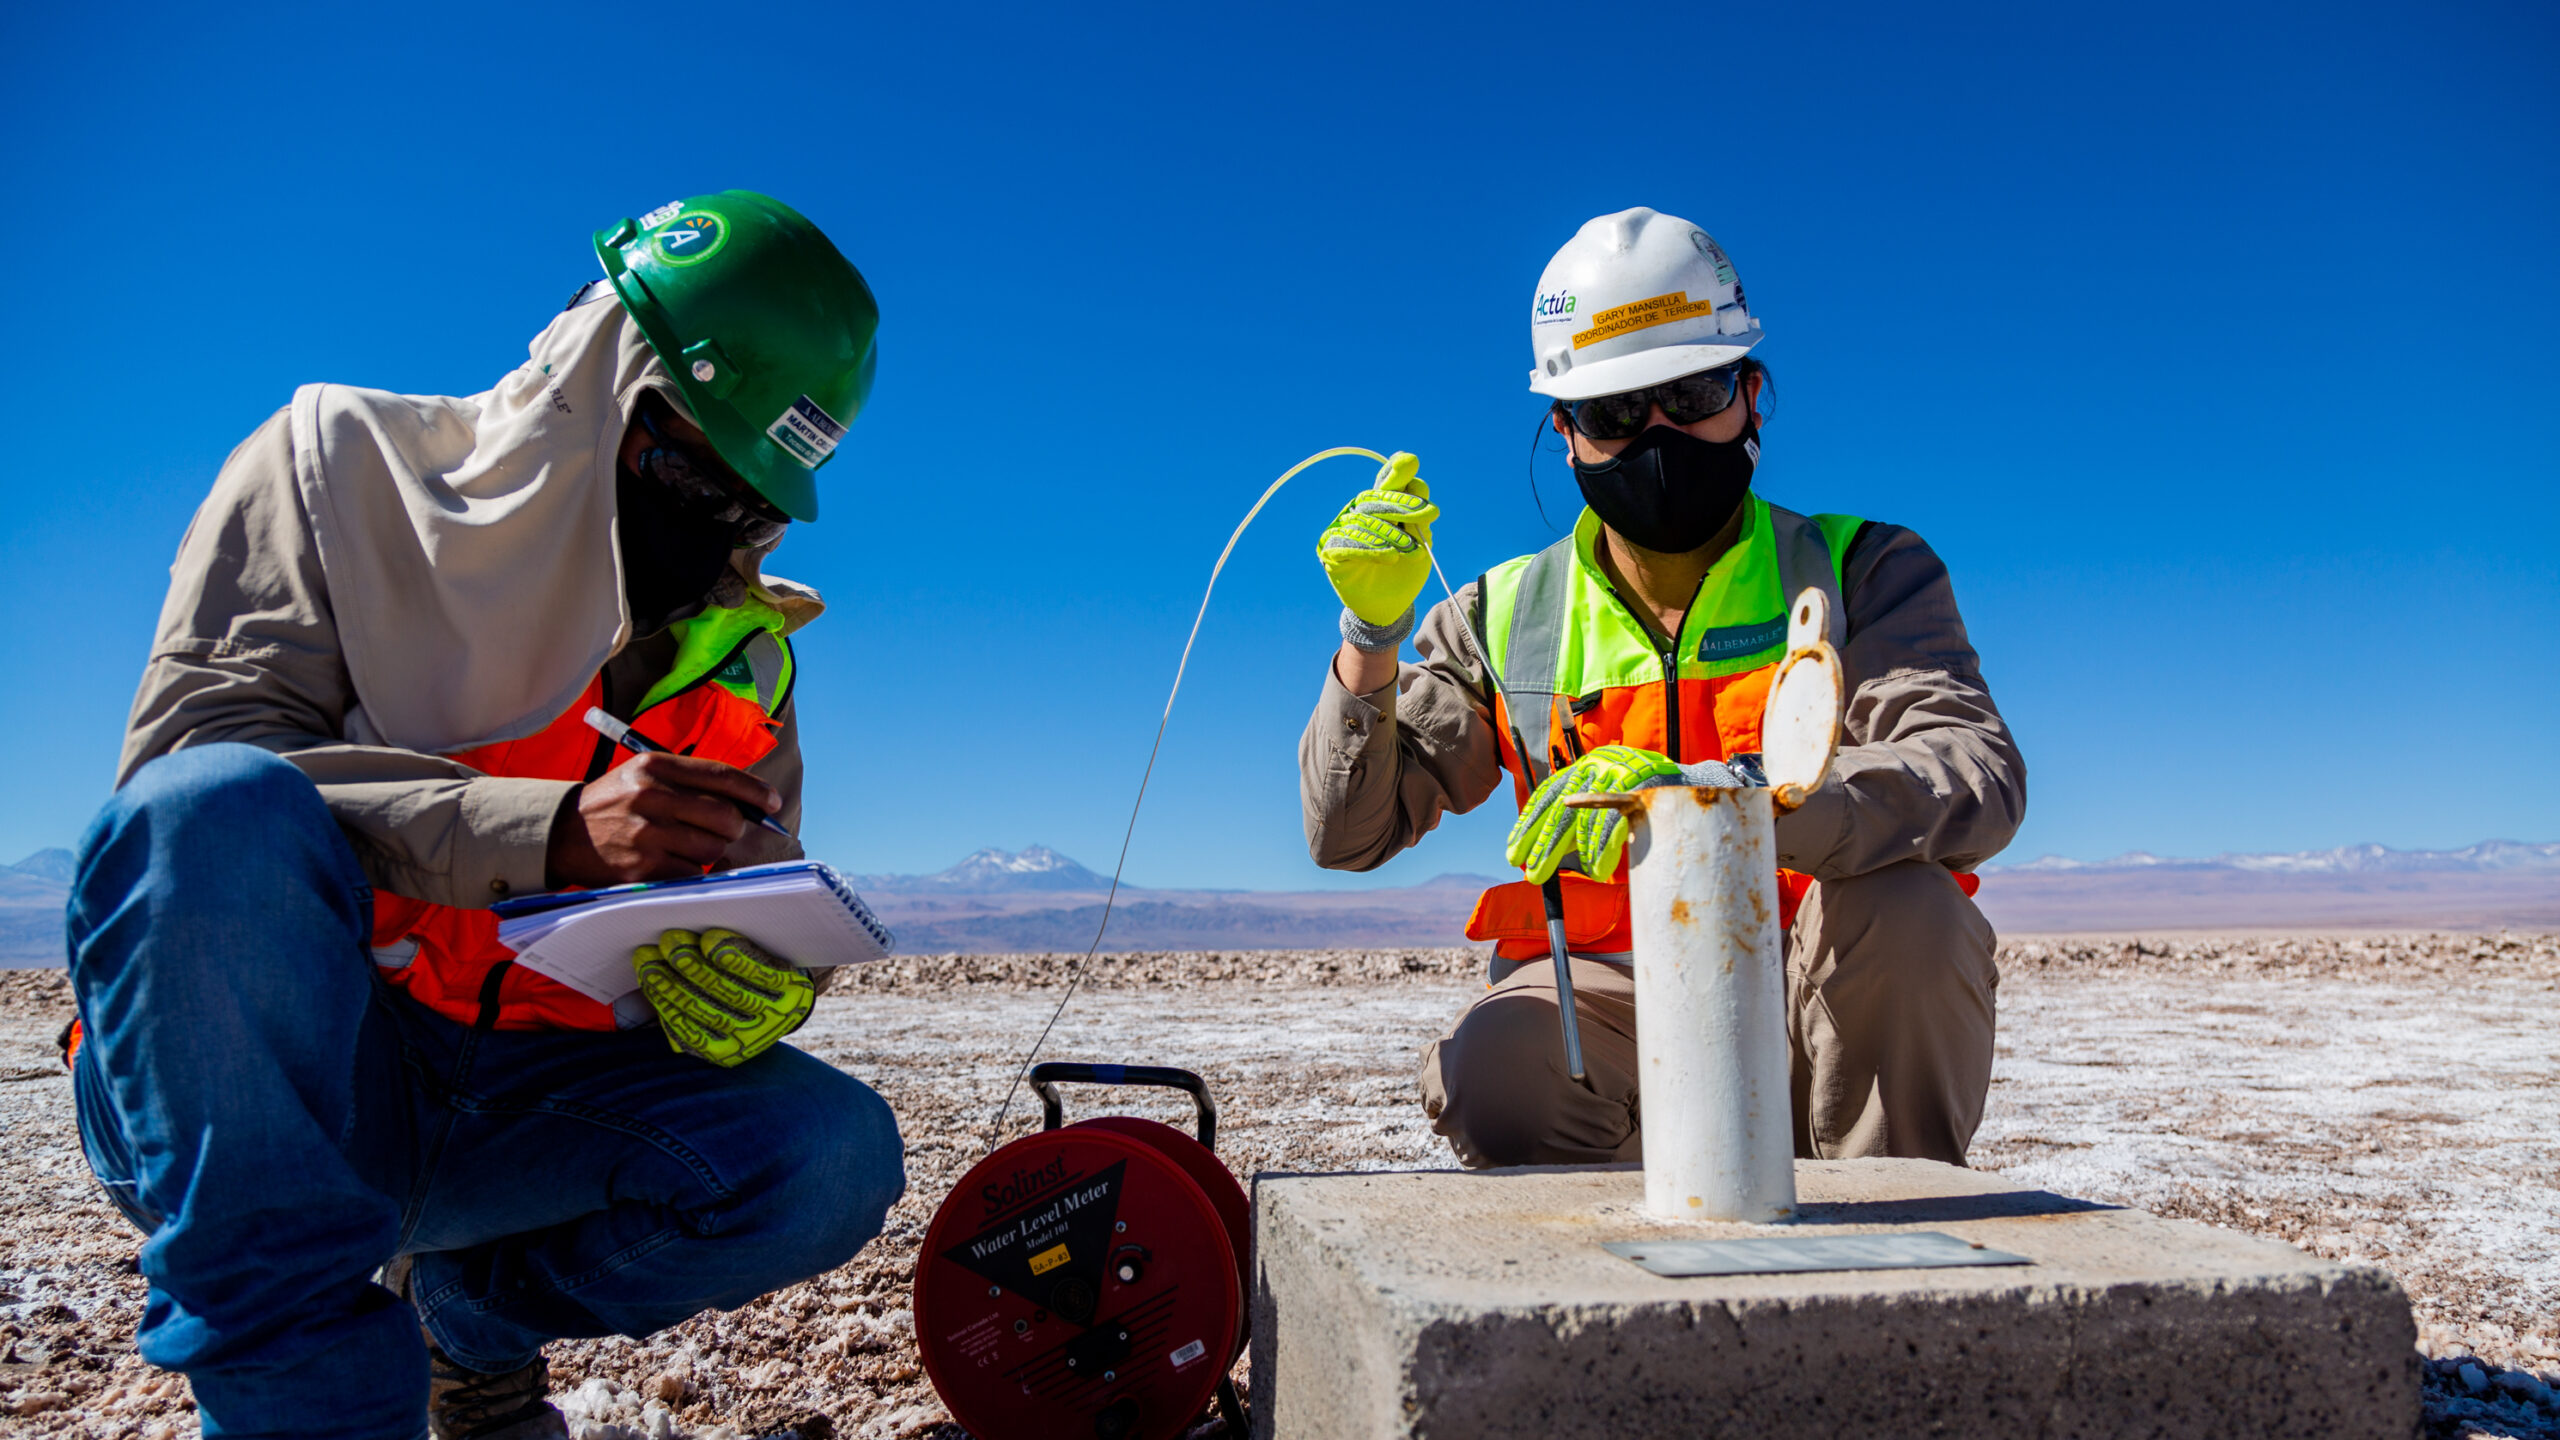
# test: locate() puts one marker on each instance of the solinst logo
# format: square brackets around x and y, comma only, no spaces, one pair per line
[1553,308]
[1024,1184]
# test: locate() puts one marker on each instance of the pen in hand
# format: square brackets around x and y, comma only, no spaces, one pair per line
[639,744]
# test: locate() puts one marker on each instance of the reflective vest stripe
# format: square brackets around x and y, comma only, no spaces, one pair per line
[1807,559]
[1531,649]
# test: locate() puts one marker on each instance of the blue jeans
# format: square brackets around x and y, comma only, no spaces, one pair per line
[280,1124]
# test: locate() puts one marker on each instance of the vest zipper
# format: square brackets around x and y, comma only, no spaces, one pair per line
[1669,655]
[1671,700]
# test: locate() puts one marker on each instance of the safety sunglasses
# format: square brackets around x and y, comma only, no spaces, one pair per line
[708,488]
[1684,401]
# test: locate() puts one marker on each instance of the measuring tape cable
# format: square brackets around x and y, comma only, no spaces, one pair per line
[1075,971]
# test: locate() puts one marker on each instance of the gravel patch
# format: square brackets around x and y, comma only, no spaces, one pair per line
[2385,1097]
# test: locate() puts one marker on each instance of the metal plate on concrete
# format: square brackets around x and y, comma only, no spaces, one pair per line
[1907,1250]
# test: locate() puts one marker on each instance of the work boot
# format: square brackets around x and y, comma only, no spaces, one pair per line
[467,1404]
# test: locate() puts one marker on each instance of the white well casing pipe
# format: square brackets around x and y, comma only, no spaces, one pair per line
[1711,994]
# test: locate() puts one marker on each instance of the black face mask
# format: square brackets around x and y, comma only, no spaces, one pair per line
[1669,491]
[672,553]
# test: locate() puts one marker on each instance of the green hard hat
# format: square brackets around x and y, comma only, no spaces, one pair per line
[767,328]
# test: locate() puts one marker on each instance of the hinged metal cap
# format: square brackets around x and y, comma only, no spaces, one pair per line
[1800,727]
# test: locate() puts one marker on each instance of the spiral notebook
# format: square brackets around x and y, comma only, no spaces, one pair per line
[798,911]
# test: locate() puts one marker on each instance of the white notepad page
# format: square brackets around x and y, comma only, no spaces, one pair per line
[802,914]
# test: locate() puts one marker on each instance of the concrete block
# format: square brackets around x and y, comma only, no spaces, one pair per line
[1479,1304]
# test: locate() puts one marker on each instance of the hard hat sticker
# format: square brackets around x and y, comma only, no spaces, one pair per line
[1715,256]
[806,432]
[692,237]
[1637,315]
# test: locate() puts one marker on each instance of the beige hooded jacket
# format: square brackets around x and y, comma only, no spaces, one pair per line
[379,580]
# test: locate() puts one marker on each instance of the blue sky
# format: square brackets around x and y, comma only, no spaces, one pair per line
[2210,345]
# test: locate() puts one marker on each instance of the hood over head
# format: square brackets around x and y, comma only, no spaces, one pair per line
[469,543]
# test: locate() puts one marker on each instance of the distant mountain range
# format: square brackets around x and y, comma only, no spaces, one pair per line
[2489,857]
[1040,900]
[2483,886]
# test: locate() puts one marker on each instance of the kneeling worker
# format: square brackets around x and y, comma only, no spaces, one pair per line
[1657,625]
[304,1055]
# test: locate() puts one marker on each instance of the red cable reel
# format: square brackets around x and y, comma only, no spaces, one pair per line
[1090,1279]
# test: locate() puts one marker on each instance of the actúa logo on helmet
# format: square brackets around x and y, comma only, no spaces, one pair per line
[692,237]
[1553,309]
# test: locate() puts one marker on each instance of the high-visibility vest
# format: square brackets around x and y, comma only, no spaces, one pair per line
[732,675]
[1586,673]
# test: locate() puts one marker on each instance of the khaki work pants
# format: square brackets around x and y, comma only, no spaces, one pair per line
[1890,1005]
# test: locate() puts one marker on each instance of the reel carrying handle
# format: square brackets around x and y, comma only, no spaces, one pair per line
[1044,1078]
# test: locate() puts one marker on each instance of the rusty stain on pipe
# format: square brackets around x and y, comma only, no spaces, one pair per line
[1711,1031]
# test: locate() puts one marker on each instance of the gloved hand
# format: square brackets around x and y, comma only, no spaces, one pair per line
[1547,831]
[1372,552]
[718,996]
[1547,828]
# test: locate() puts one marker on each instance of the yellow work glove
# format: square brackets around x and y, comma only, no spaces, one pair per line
[1548,829]
[1372,552]
[718,996]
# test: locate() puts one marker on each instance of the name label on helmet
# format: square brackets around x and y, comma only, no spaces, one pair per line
[806,432]
[1626,319]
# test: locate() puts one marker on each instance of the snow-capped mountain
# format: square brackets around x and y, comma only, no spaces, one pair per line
[54,866]
[997,871]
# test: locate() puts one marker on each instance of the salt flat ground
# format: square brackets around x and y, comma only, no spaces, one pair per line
[2394,1098]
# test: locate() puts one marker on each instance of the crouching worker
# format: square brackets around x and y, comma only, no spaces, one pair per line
[1656,627]
[304,1055]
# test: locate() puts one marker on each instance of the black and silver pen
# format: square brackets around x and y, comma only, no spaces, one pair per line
[639,744]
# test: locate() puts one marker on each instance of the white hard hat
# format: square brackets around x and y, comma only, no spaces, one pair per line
[1634,299]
